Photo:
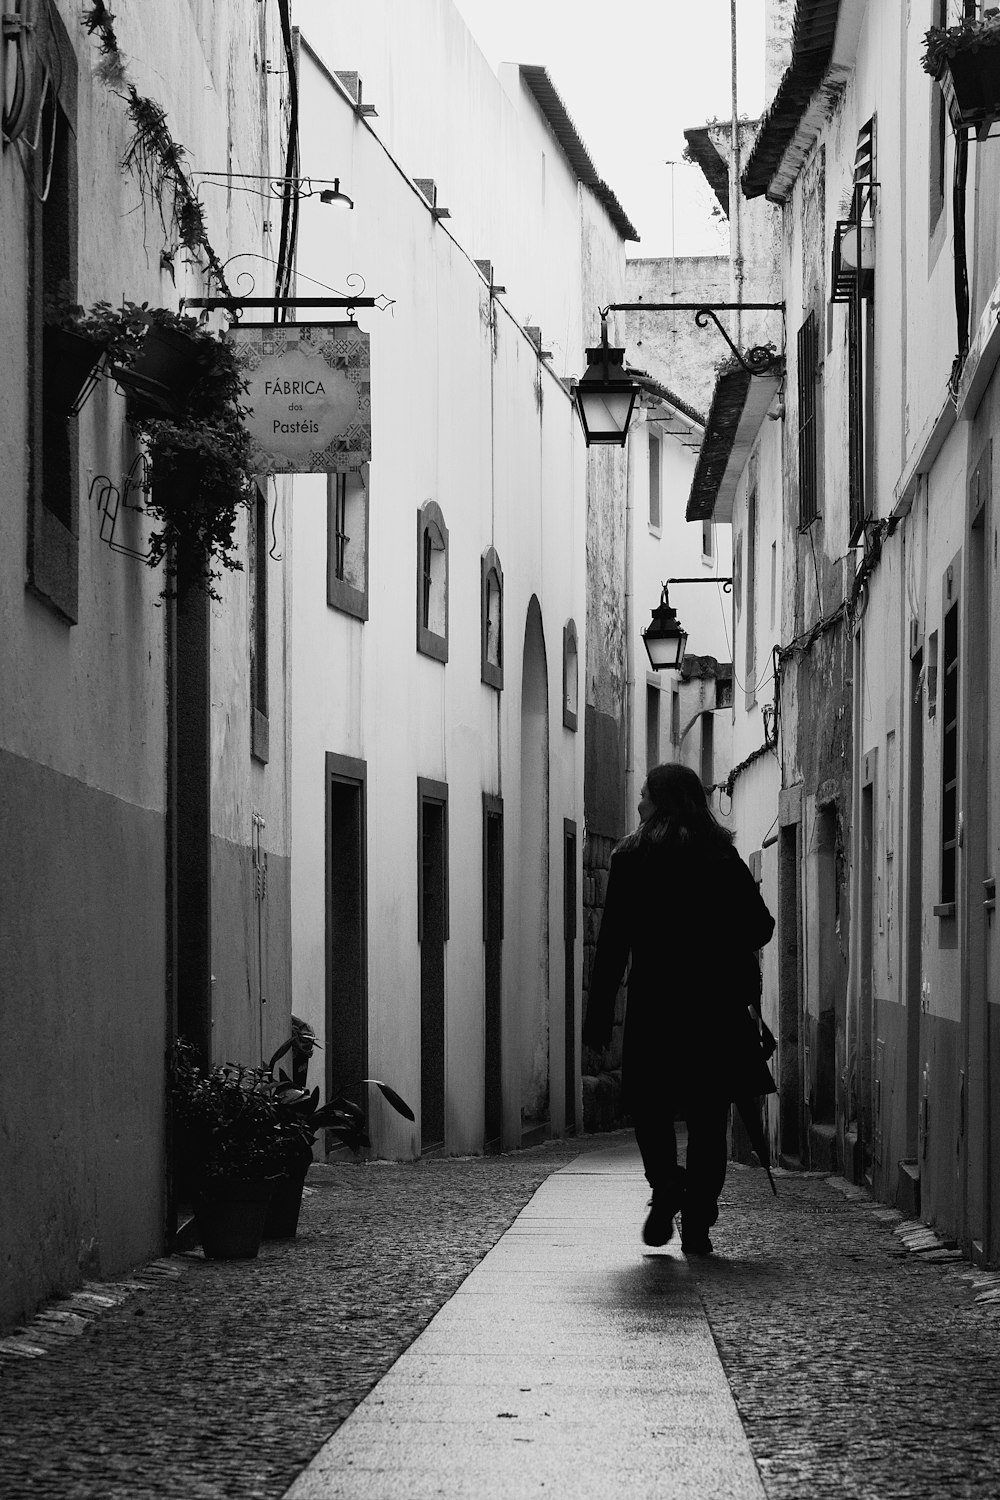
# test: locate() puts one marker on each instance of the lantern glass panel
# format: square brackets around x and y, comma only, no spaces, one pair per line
[605,414]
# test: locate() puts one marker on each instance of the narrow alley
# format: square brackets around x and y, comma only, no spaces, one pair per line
[494,1326]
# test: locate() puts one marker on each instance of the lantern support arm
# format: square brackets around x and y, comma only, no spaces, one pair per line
[759,360]
[727,583]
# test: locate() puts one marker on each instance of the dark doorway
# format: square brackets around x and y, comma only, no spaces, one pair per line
[189,818]
[432,907]
[831,967]
[346,925]
[862,1044]
[493,967]
[569,968]
[789,1064]
[914,903]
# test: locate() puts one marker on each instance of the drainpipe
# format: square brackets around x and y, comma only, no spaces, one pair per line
[189,813]
[630,797]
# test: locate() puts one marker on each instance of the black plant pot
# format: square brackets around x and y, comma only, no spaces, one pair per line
[229,1216]
[282,1219]
[970,82]
[69,364]
[163,374]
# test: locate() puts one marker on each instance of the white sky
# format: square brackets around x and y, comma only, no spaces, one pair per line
[632,78]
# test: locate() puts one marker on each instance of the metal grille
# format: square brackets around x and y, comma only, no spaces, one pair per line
[426,578]
[340,536]
[808,352]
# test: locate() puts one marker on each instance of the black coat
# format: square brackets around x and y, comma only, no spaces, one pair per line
[691,919]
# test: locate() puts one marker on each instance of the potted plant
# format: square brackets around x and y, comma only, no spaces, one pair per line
[159,378]
[302,1117]
[184,393]
[965,60]
[74,340]
[232,1144]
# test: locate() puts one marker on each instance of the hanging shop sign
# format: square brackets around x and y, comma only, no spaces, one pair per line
[308,394]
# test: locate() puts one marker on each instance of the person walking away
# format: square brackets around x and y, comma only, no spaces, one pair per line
[684,907]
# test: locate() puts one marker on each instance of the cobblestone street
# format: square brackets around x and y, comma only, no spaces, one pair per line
[859,1366]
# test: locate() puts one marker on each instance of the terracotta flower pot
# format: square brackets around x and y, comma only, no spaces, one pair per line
[229,1216]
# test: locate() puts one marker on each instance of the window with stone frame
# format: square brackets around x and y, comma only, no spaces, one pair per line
[491,619]
[655,470]
[432,582]
[571,675]
[347,513]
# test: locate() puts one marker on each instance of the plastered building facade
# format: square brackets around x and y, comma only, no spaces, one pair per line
[136,819]
[863,517]
[438,765]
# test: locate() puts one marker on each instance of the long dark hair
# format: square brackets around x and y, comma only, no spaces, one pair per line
[681,813]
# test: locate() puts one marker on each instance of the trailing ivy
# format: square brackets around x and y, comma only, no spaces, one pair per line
[153,157]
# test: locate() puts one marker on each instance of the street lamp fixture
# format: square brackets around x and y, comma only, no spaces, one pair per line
[664,637]
[334,195]
[605,396]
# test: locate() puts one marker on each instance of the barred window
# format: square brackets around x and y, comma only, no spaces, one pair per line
[808,352]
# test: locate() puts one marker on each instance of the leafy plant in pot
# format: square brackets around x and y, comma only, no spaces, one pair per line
[184,393]
[232,1144]
[75,340]
[965,60]
[303,1117]
[199,474]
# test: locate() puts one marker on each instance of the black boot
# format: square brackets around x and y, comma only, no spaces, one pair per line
[697,1219]
[664,1204]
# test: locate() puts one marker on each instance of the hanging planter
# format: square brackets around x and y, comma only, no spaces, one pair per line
[159,380]
[70,363]
[965,60]
[184,402]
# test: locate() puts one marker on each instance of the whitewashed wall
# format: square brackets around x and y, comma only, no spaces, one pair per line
[464,413]
[83,718]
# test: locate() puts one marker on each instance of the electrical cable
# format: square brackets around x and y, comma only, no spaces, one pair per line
[289,202]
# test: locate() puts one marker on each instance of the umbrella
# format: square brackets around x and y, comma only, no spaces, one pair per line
[749,1112]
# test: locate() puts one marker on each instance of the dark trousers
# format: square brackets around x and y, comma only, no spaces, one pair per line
[696,1191]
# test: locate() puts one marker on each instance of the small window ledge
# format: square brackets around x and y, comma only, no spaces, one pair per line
[945,909]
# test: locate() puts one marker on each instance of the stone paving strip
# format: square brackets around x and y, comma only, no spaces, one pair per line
[572,1362]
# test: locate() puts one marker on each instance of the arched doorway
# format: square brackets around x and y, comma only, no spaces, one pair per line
[532,1001]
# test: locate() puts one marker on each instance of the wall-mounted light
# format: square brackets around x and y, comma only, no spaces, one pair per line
[664,637]
[327,189]
[605,397]
[334,195]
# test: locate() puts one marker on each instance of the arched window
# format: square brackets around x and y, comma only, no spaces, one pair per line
[432,582]
[491,619]
[571,675]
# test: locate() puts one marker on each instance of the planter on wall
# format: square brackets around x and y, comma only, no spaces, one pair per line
[970,82]
[70,361]
[161,378]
